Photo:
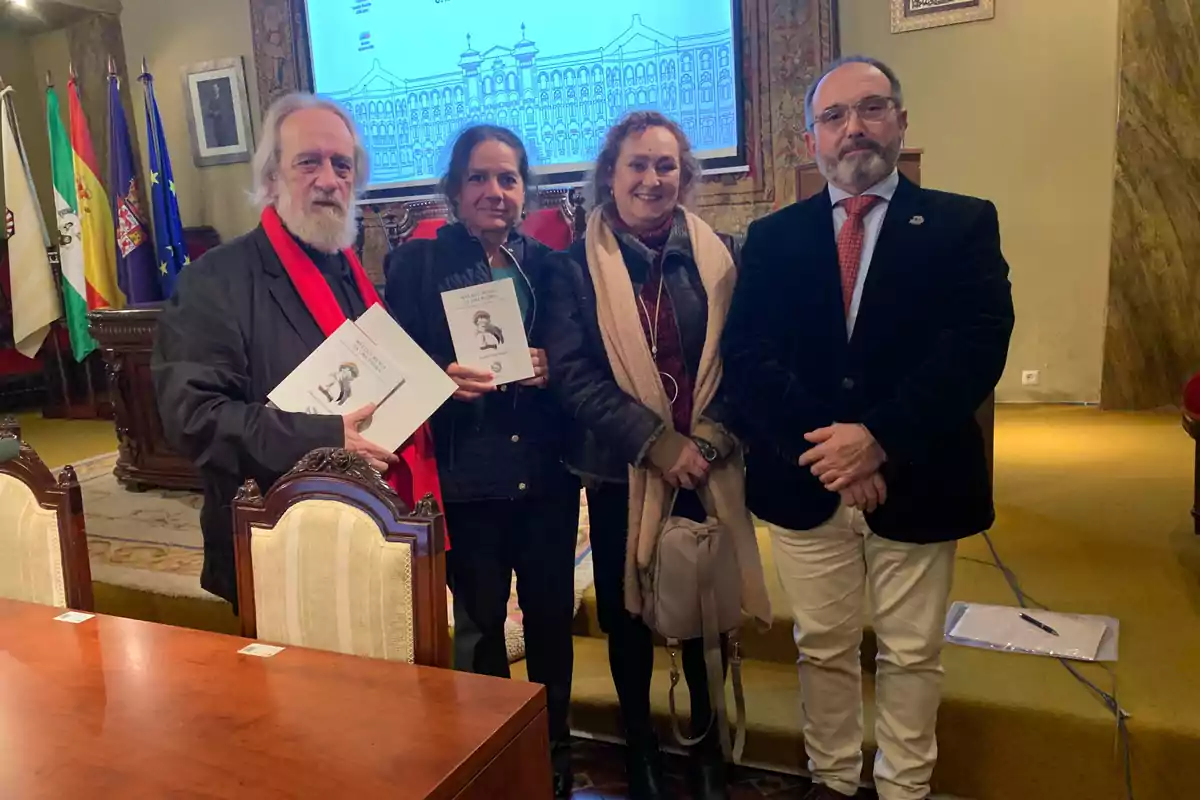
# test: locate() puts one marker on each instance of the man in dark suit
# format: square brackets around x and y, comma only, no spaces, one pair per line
[869,323]
[247,313]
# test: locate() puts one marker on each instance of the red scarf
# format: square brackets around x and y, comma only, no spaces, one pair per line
[416,474]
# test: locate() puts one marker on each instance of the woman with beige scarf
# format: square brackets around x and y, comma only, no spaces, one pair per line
[635,314]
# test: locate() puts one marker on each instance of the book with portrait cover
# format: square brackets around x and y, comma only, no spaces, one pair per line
[488,330]
[371,360]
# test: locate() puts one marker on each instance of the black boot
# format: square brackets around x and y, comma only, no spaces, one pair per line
[644,770]
[564,782]
[560,760]
[708,774]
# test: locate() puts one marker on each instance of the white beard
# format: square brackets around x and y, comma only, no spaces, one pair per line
[325,229]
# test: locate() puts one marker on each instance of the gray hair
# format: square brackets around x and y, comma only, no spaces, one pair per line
[897,91]
[266,157]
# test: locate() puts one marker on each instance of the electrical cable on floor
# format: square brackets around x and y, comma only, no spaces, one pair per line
[1108,698]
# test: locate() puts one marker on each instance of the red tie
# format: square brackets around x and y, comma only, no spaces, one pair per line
[850,242]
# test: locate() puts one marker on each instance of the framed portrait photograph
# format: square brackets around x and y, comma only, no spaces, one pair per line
[218,112]
[912,15]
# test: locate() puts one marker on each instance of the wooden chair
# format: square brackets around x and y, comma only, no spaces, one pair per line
[1191,423]
[43,543]
[331,559]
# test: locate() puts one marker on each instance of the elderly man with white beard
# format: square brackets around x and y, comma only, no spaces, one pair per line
[249,312]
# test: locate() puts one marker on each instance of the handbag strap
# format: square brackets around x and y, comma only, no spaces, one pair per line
[676,728]
[714,669]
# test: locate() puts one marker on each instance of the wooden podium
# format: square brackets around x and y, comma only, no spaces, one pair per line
[145,459]
[809,181]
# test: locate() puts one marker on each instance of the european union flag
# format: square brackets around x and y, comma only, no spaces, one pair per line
[135,250]
[168,227]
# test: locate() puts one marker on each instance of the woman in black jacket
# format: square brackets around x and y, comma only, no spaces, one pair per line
[511,505]
[598,337]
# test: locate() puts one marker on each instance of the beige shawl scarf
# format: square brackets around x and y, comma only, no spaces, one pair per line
[637,374]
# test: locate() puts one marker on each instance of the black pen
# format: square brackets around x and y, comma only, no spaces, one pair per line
[1038,624]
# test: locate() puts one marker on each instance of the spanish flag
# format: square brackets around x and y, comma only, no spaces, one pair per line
[95,218]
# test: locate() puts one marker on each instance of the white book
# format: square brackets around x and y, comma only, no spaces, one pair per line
[369,361]
[341,376]
[488,330]
[425,388]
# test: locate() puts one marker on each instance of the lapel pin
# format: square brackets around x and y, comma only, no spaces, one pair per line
[917,220]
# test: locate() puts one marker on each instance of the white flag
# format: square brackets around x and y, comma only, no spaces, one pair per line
[34,298]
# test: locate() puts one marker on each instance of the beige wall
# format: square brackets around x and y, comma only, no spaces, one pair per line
[172,34]
[1022,110]
[17,69]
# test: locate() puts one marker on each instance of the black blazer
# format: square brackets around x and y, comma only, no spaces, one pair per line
[508,444]
[929,345]
[234,329]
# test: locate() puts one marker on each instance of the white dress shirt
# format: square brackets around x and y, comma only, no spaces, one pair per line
[872,224]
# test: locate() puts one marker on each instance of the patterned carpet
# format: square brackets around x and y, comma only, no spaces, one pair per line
[149,540]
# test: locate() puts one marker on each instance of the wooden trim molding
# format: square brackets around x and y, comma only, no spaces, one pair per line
[341,476]
[63,496]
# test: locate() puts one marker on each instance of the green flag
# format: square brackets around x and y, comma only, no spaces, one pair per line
[70,232]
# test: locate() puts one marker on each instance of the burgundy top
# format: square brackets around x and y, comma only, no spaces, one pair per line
[670,359]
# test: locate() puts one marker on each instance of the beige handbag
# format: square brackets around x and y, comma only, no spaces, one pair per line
[692,590]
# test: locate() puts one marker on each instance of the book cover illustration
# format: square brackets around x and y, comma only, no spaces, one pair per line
[341,376]
[488,330]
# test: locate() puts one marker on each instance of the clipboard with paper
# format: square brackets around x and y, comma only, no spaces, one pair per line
[1081,637]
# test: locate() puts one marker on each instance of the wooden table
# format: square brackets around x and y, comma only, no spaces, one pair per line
[117,708]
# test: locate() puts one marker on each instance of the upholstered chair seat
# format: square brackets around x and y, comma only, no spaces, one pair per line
[43,545]
[332,560]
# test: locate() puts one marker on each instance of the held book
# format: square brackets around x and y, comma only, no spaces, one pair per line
[371,360]
[488,330]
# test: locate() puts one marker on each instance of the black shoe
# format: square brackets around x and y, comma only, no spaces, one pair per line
[708,776]
[644,771]
[821,792]
[560,763]
[564,782]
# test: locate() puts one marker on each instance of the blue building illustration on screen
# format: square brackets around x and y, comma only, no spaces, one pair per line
[560,105]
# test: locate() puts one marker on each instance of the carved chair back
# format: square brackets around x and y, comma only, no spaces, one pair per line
[43,543]
[330,558]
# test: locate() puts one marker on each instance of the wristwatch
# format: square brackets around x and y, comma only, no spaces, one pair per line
[706,449]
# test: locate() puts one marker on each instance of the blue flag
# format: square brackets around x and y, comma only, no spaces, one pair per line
[136,268]
[168,226]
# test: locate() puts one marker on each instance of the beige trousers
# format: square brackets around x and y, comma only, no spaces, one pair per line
[829,573]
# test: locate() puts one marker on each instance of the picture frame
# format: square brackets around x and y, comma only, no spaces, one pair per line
[912,15]
[218,112]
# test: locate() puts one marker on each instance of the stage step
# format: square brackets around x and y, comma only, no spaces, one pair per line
[1009,726]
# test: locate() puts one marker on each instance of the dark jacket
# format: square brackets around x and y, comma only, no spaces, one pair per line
[614,430]
[233,330]
[929,345]
[508,444]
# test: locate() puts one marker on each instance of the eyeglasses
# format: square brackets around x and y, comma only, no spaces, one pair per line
[869,109]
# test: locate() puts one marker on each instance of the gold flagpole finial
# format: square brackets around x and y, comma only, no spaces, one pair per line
[71,71]
[49,80]
[112,67]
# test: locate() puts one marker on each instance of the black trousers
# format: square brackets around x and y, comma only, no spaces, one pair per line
[630,642]
[534,537]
